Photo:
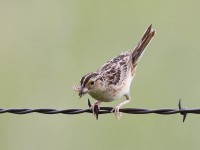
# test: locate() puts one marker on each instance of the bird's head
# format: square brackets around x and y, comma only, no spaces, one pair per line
[88,84]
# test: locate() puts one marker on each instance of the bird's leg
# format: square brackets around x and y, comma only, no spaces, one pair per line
[97,103]
[116,108]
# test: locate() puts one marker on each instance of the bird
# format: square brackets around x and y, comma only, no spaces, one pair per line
[113,80]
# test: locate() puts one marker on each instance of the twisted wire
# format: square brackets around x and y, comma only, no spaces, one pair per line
[104,110]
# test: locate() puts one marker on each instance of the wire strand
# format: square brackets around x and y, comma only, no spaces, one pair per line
[104,110]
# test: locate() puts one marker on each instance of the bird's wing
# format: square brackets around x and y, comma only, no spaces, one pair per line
[115,71]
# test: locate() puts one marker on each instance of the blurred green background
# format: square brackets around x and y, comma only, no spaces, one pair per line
[47,46]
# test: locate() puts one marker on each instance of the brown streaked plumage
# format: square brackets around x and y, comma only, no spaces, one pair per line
[113,79]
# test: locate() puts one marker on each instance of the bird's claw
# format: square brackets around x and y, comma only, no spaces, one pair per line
[118,114]
[95,108]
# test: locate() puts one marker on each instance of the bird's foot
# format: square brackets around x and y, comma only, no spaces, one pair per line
[95,108]
[115,110]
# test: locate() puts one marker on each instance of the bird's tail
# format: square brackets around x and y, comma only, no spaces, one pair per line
[139,49]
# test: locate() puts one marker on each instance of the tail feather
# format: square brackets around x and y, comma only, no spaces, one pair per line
[139,49]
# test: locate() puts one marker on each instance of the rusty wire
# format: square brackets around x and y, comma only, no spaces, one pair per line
[104,110]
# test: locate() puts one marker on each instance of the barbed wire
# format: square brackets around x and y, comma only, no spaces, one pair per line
[104,110]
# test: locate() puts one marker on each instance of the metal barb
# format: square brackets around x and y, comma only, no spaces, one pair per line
[96,111]
[181,112]
[89,104]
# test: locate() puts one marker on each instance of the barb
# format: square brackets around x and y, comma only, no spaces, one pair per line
[105,110]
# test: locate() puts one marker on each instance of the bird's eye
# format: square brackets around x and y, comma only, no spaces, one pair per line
[92,82]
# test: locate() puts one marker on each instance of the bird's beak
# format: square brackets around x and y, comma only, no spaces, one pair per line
[82,91]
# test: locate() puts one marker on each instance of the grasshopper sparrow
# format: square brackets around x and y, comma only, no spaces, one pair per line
[113,79]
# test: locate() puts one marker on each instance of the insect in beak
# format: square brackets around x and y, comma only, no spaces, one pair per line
[82,91]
